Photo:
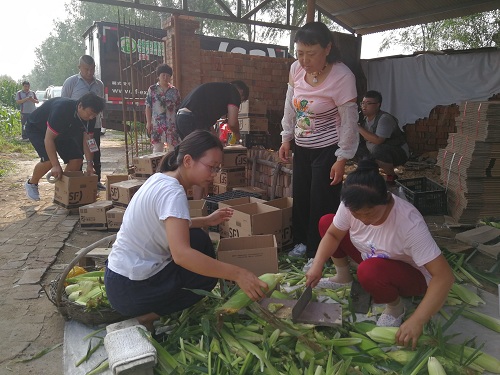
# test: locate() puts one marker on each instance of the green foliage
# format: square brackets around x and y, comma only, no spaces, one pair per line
[8,90]
[10,121]
[469,32]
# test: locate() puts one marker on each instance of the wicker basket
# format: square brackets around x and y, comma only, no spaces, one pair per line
[71,310]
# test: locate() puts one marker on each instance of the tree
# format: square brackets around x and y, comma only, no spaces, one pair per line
[469,32]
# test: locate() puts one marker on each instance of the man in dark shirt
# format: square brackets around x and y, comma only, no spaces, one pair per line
[209,102]
[56,128]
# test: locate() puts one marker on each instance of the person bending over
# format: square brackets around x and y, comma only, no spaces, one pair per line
[391,242]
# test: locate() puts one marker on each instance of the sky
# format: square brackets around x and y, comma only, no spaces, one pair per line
[24,25]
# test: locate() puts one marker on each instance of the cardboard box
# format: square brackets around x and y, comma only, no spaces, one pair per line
[254,218]
[252,107]
[74,189]
[111,179]
[219,189]
[93,215]
[253,124]
[224,226]
[146,165]
[114,218]
[231,177]
[253,189]
[257,254]
[122,192]
[285,205]
[234,156]
[198,208]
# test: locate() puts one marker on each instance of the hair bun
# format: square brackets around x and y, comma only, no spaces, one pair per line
[367,165]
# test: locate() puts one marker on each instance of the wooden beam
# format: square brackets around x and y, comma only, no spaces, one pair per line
[311,4]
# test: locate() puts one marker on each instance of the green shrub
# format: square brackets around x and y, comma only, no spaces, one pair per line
[10,121]
[8,90]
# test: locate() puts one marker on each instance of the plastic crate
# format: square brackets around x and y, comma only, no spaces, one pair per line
[426,195]
[254,139]
[213,200]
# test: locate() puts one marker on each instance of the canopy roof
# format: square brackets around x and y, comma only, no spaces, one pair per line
[357,16]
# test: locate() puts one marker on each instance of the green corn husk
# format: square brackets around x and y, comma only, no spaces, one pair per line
[401,356]
[466,295]
[483,360]
[483,319]
[240,300]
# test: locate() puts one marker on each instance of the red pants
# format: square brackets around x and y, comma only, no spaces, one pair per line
[384,279]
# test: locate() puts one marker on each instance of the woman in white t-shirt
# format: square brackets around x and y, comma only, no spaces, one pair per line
[160,251]
[390,241]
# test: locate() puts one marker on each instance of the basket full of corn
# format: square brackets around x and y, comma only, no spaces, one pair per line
[79,293]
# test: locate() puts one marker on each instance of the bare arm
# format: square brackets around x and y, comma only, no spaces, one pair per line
[215,218]
[370,137]
[149,117]
[197,262]
[327,247]
[232,120]
[89,155]
[437,291]
[287,123]
[50,147]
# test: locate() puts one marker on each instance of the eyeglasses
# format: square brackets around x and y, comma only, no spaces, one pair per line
[367,103]
[214,170]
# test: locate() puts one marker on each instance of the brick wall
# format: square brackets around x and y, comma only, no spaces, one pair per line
[431,133]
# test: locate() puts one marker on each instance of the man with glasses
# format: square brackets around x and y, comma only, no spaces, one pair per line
[381,137]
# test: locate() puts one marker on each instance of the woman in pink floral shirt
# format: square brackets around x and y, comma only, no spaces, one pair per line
[162,103]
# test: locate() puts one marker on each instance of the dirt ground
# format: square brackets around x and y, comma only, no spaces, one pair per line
[31,324]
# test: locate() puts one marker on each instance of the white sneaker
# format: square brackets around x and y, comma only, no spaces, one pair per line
[308,265]
[32,191]
[298,250]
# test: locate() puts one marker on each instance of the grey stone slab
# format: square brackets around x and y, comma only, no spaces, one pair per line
[12,265]
[27,332]
[15,256]
[26,292]
[7,248]
[10,350]
[8,273]
[51,244]
[16,241]
[32,276]
[48,252]
[69,223]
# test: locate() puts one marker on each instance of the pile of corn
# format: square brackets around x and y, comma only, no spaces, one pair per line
[211,338]
[86,288]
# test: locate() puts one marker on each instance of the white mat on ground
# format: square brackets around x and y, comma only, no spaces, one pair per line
[75,348]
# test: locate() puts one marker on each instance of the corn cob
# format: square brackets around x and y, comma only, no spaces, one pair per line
[368,346]
[401,356]
[434,367]
[240,300]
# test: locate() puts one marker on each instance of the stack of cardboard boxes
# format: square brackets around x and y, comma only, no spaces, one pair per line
[233,170]
[254,125]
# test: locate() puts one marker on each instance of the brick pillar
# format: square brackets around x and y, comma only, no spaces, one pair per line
[189,52]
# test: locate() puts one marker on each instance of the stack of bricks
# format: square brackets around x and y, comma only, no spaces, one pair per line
[253,123]
[431,134]
[264,174]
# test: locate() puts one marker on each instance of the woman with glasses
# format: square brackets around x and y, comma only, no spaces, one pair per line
[320,118]
[160,252]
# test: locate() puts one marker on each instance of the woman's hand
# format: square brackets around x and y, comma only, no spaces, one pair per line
[313,275]
[219,216]
[149,128]
[284,152]
[337,172]
[253,287]
[56,172]
[409,332]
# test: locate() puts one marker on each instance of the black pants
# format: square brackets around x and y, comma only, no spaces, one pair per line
[97,154]
[165,292]
[313,196]
[24,120]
